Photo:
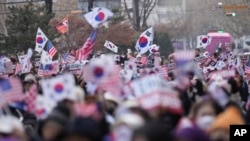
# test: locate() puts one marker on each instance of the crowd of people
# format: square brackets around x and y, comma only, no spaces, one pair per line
[207,106]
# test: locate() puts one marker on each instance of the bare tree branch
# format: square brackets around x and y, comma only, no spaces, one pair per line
[142,10]
[131,20]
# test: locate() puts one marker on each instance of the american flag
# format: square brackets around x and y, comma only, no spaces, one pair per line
[11,90]
[87,110]
[48,69]
[70,59]
[30,99]
[144,60]
[247,69]
[84,52]
[19,68]
[162,70]
[183,57]
[112,83]
[63,25]
[67,58]
[8,67]
[51,49]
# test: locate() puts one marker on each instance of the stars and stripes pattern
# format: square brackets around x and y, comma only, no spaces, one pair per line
[84,52]
[162,70]
[8,67]
[63,25]
[247,69]
[144,60]
[70,59]
[51,49]
[48,69]
[183,57]
[113,83]
[30,99]
[11,90]
[19,68]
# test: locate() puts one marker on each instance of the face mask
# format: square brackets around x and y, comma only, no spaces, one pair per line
[205,121]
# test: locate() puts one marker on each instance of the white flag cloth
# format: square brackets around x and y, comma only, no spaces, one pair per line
[203,41]
[26,61]
[111,46]
[45,58]
[145,40]
[21,58]
[59,88]
[98,16]
[41,40]
[154,48]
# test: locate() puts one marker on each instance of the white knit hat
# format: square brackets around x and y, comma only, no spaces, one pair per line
[30,77]
[80,94]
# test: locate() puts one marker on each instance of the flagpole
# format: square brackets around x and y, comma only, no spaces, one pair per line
[67,35]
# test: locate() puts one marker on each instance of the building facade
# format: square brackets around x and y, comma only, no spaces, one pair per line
[166,11]
[111,4]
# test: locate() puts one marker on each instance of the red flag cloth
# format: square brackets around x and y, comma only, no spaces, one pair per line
[11,90]
[63,25]
[84,52]
[144,60]
[87,110]
[30,98]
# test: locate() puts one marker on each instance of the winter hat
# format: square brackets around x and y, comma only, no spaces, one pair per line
[154,131]
[80,94]
[131,120]
[85,127]
[108,96]
[29,78]
[29,119]
[230,116]
[191,133]
[9,124]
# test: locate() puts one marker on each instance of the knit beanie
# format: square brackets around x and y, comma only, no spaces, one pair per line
[231,116]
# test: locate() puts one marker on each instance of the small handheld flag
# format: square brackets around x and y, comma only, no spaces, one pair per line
[145,40]
[51,49]
[41,40]
[98,16]
[63,25]
[111,46]
[203,41]
[87,48]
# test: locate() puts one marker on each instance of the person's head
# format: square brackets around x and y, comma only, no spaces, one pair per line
[28,81]
[111,102]
[190,134]
[205,112]
[53,127]
[152,131]
[83,129]
[197,52]
[11,127]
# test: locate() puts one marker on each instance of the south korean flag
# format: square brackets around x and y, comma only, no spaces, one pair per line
[203,41]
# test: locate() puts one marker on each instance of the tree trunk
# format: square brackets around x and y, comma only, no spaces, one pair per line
[90,5]
[48,4]
[136,14]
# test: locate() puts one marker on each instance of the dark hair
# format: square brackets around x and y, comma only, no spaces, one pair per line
[85,127]
[204,102]
[233,84]
[154,131]
[198,49]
